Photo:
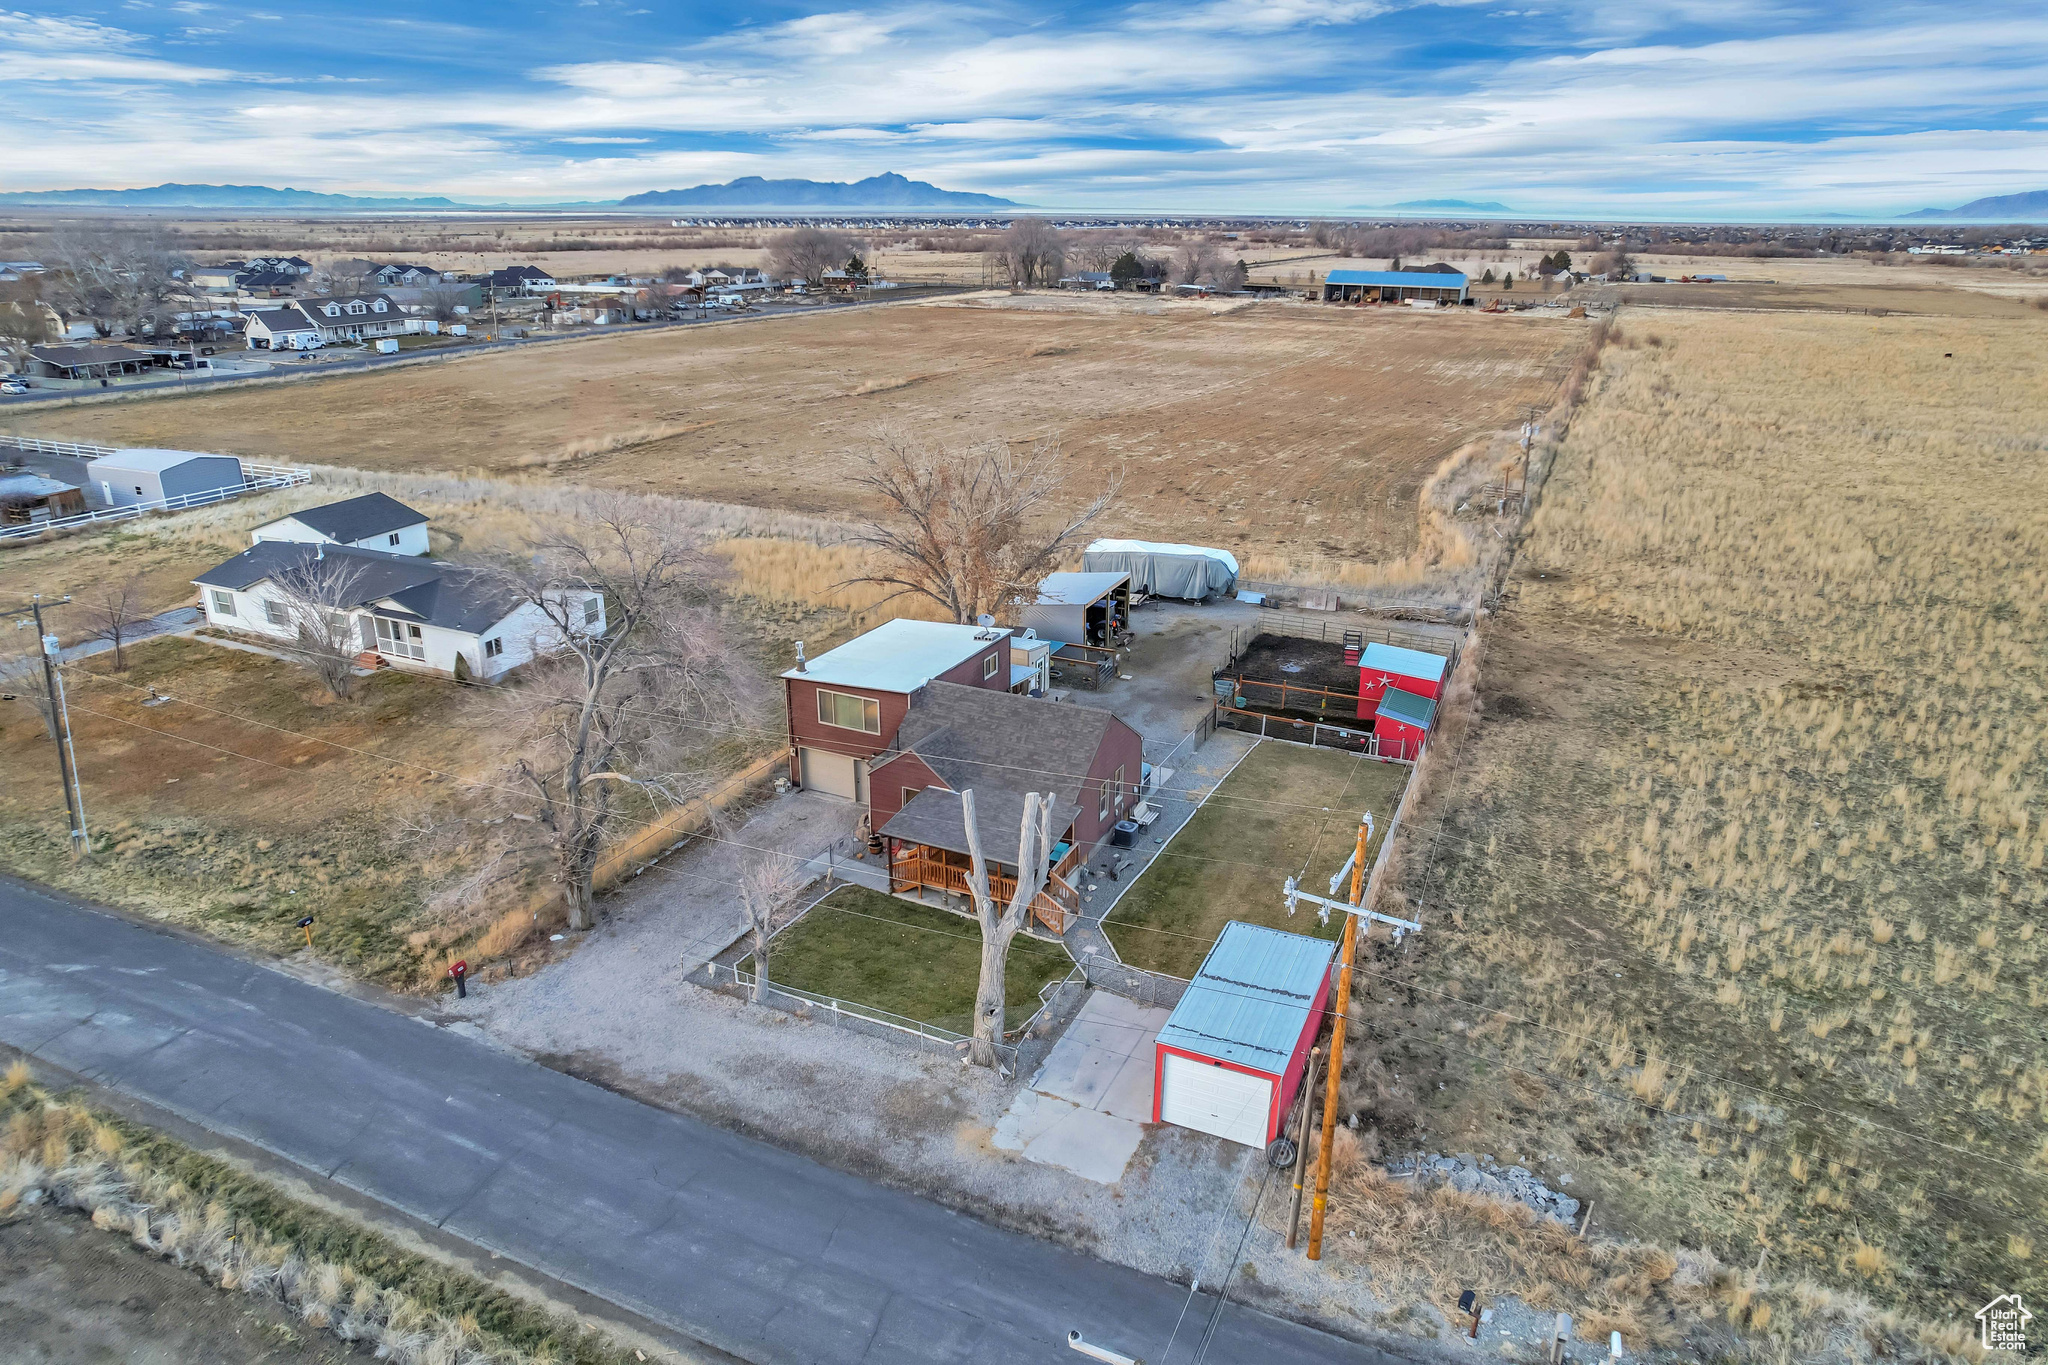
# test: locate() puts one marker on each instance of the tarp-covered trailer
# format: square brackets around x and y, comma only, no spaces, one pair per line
[1157,569]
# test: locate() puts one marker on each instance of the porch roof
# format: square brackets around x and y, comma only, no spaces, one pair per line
[933,818]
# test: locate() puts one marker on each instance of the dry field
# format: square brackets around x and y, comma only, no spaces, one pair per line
[1281,428]
[1738,900]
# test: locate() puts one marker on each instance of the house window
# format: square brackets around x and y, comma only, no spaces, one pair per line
[593,607]
[223,603]
[849,712]
[1102,806]
[493,648]
[988,666]
[1119,789]
[393,538]
[138,490]
[275,613]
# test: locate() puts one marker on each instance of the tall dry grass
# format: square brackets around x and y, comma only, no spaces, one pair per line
[1796,818]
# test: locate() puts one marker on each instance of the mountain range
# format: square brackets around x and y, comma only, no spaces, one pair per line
[2031,207]
[888,191]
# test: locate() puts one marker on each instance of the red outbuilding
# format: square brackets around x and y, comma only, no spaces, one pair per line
[1401,722]
[1385,666]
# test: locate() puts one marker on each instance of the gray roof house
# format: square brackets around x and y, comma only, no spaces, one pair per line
[374,521]
[418,614]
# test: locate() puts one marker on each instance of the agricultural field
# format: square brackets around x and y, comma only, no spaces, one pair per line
[1735,908]
[1291,430]
[1286,809]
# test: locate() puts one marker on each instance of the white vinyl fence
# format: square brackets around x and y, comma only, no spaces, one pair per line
[256,478]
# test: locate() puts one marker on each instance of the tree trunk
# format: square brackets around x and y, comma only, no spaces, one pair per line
[576,894]
[760,965]
[989,1006]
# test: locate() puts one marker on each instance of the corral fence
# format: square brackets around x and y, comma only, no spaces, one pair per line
[1357,738]
[1253,694]
[1335,630]
[256,478]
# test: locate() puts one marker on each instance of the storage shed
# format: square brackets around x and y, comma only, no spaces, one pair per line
[145,474]
[1082,609]
[1158,569]
[1231,1055]
[1384,666]
[1401,723]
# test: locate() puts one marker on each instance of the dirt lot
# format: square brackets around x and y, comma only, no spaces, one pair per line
[71,1294]
[1745,862]
[1283,427]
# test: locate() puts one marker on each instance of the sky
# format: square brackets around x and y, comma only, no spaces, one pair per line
[1653,108]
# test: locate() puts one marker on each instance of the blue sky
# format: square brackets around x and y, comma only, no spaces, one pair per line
[1649,107]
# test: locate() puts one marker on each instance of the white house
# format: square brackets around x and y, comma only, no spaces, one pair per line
[329,320]
[374,521]
[416,614]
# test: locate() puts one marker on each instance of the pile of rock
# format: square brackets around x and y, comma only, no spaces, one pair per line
[1482,1175]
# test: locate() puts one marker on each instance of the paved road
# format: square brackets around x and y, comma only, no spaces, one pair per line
[742,1245]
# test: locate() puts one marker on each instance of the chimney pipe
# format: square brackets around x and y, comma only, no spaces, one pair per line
[800,657]
[319,549]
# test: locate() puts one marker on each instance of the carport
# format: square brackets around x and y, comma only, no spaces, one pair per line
[1082,609]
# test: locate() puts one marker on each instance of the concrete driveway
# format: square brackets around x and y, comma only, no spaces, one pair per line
[1086,1109]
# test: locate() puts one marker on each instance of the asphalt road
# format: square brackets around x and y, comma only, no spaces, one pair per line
[742,1245]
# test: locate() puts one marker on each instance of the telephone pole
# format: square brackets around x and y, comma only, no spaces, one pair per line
[1335,1073]
[60,723]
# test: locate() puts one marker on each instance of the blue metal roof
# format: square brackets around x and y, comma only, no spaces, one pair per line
[1251,1001]
[1404,279]
[1409,663]
[1407,708]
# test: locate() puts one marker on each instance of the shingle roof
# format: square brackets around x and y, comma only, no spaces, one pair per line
[372,514]
[87,355]
[282,320]
[1002,746]
[452,596]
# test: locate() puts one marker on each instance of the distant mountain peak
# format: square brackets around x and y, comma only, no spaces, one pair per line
[215,196]
[1474,205]
[2030,207]
[885,191]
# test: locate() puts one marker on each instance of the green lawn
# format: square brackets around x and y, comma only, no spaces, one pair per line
[866,948]
[1284,808]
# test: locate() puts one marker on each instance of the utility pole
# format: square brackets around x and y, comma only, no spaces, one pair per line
[60,720]
[1308,1085]
[1335,1074]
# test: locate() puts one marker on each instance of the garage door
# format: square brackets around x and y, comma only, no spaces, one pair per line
[832,774]
[1215,1099]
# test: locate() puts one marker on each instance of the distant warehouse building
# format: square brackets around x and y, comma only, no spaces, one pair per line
[1395,286]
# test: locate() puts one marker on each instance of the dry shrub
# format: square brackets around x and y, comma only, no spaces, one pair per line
[507,933]
[808,575]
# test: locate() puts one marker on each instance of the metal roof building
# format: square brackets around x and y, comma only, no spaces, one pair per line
[1230,1056]
[1394,286]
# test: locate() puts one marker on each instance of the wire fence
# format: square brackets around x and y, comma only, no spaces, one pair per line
[1153,989]
[1312,734]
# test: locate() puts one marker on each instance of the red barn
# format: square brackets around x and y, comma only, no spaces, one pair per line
[1401,723]
[1385,666]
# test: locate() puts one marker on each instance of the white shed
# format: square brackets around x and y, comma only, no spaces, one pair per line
[147,474]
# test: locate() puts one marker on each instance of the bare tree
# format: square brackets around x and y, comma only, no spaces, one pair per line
[1000,926]
[23,323]
[22,676]
[808,252]
[1208,265]
[113,612]
[966,527]
[346,279]
[1032,252]
[634,706]
[120,279]
[318,596]
[440,301]
[767,885]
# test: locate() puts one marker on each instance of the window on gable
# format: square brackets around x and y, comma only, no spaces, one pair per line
[593,607]
[223,603]
[393,538]
[988,666]
[493,648]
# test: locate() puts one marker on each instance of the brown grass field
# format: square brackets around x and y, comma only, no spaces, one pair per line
[1736,903]
[1285,429]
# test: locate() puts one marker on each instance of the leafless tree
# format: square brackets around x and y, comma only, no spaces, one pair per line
[1032,252]
[1000,925]
[1208,265]
[966,527]
[118,278]
[808,252]
[23,323]
[440,301]
[22,675]
[346,279]
[318,595]
[113,613]
[768,884]
[637,706]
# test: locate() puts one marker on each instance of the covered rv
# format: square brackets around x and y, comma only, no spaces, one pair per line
[1193,572]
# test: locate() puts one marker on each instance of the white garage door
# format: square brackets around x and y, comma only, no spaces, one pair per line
[832,774]
[1215,1099]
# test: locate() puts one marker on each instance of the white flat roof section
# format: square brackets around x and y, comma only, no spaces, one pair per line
[1078,589]
[898,656]
[155,459]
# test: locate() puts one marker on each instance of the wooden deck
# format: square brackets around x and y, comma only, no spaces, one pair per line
[919,867]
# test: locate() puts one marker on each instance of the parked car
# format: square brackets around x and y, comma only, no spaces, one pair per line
[12,384]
